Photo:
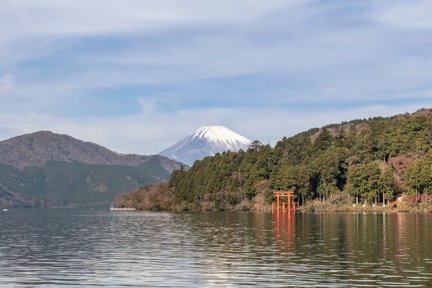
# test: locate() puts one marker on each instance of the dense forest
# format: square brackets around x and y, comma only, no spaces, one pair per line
[63,184]
[370,160]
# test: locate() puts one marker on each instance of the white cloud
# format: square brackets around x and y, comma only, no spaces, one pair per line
[415,14]
[34,29]
[150,133]
[308,52]
[7,84]
[130,16]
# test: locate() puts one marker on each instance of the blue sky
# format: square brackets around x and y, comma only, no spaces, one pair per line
[136,76]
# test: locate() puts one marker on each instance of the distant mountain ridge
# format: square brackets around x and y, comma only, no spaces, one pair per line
[37,148]
[46,169]
[206,141]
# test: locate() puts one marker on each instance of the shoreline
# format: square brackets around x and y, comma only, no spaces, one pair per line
[313,209]
[318,207]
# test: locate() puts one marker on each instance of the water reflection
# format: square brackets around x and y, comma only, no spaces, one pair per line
[284,228]
[93,248]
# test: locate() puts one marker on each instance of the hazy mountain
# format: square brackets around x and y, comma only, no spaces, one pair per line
[206,141]
[37,148]
[48,169]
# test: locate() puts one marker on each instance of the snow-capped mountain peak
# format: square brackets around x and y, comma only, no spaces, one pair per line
[220,134]
[206,141]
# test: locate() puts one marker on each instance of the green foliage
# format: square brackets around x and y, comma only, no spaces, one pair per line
[62,184]
[364,181]
[329,171]
[418,176]
[353,158]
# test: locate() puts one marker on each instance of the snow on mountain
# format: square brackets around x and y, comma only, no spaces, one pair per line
[206,141]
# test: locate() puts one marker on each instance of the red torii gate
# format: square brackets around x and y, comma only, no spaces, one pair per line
[288,206]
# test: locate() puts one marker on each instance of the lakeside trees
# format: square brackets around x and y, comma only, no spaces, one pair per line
[418,176]
[353,158]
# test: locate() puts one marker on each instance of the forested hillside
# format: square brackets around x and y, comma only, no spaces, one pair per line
[45,169]
[370,160]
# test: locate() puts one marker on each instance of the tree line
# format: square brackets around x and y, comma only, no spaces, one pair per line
[371,160]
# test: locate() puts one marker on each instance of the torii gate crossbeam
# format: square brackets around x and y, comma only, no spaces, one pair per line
[288,206]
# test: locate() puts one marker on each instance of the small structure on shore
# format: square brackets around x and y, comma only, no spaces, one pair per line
[287,206]
[112,208]
[122,209]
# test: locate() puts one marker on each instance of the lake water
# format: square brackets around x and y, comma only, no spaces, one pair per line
[65,247]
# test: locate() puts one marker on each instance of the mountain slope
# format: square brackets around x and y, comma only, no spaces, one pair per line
[45,169]
[37,148]
[371,161]
[206,141]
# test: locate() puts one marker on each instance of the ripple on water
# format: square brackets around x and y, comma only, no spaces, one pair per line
[65,247]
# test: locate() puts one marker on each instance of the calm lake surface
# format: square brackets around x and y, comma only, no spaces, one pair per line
[65,247]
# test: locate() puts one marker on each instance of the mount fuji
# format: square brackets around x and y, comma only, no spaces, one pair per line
[206,141]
